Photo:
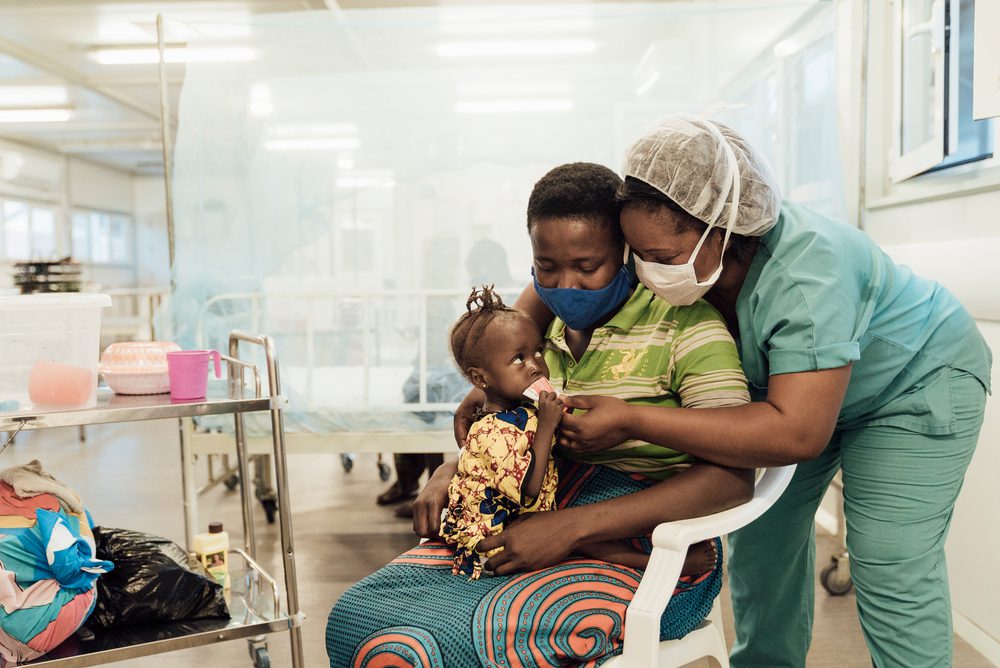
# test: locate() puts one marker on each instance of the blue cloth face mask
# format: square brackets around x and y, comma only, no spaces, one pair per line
[579,308]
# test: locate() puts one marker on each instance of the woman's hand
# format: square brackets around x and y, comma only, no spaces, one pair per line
[465,414]
[533,541]
[603,426]
[433,498]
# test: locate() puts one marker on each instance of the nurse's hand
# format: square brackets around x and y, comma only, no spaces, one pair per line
[433,498]
[604,425]
[533,541]
[465,414]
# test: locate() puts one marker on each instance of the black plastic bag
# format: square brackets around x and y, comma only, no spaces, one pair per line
[154,581]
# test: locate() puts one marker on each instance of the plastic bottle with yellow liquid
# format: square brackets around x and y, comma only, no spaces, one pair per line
[212,549]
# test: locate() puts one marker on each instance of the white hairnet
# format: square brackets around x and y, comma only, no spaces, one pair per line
[688,160]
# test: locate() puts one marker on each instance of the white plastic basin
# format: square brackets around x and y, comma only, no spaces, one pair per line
[49,347]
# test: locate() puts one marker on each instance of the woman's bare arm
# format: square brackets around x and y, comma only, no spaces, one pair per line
[794,424]
[530,303]
[433,498]
[465,414]
[543,539]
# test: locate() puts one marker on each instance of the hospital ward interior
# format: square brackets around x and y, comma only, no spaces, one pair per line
[341,332]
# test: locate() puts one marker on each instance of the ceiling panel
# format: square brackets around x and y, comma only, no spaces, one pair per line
[115,109]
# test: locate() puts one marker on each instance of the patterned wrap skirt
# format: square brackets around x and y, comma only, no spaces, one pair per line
[413,613]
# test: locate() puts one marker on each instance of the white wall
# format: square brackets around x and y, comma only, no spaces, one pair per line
[66,183]
[94,186]
[43,181]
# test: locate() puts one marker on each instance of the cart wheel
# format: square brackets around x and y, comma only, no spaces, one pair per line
[347,462]
[270,508]
[231,482]
[828,578]
[384,472]
[261,659]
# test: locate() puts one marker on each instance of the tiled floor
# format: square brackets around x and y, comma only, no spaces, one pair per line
[130,477]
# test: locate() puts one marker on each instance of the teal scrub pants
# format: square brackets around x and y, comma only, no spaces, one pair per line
[900,488]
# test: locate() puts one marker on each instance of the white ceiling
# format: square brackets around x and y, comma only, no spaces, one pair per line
[115,109]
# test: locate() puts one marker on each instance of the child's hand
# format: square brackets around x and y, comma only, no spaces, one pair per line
[550,410]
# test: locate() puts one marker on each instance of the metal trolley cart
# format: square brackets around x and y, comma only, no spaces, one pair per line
[255,605]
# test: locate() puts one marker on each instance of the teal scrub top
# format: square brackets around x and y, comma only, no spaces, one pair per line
[820,294]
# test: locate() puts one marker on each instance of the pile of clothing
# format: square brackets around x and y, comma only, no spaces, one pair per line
[48,564]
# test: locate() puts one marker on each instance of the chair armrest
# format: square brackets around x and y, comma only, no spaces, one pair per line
[680,534]
[670,545]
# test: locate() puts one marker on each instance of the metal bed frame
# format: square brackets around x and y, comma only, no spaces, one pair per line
[218,448]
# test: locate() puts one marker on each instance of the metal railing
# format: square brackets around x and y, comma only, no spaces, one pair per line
[133,312]
[365,314]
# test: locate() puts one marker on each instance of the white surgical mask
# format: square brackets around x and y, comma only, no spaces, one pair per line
[677,284]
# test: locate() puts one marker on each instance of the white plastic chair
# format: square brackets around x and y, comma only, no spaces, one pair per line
[642,646]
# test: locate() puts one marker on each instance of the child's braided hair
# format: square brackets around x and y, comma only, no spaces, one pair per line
[482,306]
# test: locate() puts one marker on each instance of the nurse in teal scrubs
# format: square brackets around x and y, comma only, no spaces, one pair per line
[858,364]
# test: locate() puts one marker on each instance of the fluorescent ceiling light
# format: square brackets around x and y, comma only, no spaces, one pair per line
[146,55]
[510,19]
[321,130]
[494,26]
[139,28]
[312,144]
[33,96]
[366,182]
[511,106]
[517,47]
[494,89]
[35,115]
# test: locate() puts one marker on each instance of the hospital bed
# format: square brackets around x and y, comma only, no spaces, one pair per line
[364,372]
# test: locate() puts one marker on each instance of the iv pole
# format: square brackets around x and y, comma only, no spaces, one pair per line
[167,142]
[863,127]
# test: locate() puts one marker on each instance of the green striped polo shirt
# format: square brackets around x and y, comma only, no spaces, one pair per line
[653,354]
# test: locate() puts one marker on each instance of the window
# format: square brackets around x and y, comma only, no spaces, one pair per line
[933,127]
[102,237]
[968,139]
[27,231]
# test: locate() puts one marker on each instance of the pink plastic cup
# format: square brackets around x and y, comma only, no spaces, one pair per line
[189,373]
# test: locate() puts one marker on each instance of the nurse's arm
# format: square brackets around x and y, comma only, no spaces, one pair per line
[793,425]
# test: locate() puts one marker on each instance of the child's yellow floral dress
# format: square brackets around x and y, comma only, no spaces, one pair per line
[485,494]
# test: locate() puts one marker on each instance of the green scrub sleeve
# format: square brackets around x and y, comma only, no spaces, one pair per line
[814,322]
[791,360]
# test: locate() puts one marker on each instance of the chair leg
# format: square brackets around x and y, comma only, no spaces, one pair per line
[719,652]
[715,616]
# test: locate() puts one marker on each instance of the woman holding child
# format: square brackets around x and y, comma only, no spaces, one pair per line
[617,339]
[856,363]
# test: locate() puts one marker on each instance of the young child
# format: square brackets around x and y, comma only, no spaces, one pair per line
[505,468]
